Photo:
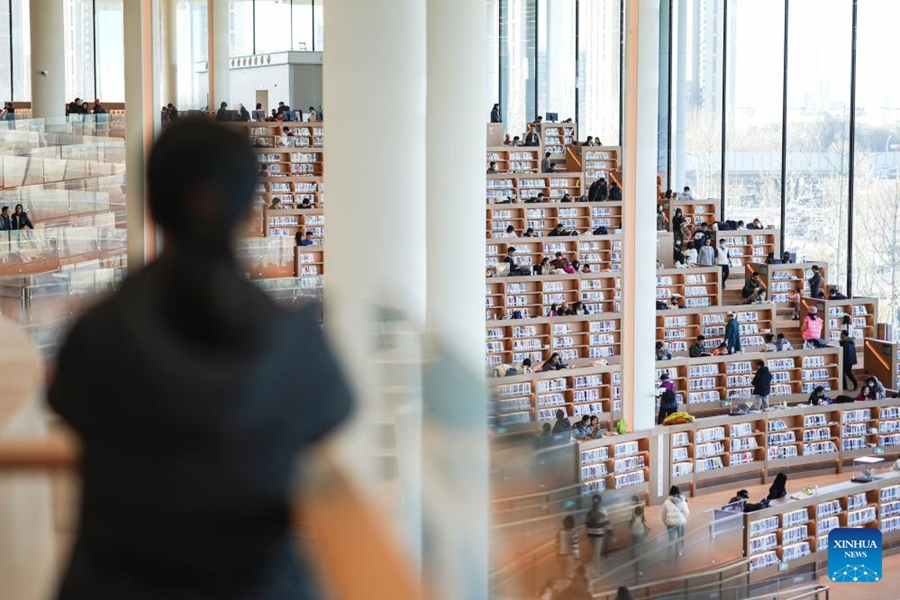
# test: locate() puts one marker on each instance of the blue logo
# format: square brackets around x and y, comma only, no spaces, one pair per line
[854,555]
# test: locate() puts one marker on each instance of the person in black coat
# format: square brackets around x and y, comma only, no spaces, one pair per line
[848,344]
[778,490]
[762,386]
[495,114]
[615,192]
[598,192]
[5,219]
[20,219]
[190,440]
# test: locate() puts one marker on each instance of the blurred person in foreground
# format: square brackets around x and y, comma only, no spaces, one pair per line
[191,434]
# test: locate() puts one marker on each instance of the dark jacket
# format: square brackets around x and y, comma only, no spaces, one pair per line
[849,347]
[733,336]
[598,192]
[561,426]
[696,351]
[531,139]
[495,115]
[5,223]
[21,221]
[748,288]
[815,285]
[615,193]
[762,382]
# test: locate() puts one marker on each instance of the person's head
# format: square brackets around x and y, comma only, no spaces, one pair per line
[170,106]
[77,100]
[539,118]
[84,105]
[545,261]
[759,363]
[866,389]
[664,377]
[4,211]
[540,195]
[799,290]
[678,212]
[731,315]
[280,104]
[575,264]
[813,312]
[756,222]
[722,242]
[529,232]
[559,255]
[305,202]
[516,139]
[493,165]
[659,208]
[569,522]
[585,420]
[201,180]
[546,428]
[511,250]
[740,223]
[623,594]
[19,209]
[276,201]
[687,188]
[274,112]
[707,242]
[614,184]
[560,414]
[259,106]
[554,358]
[496,105]
[223,105]
[815,268]
[312,109]
[846,320]
[674,491]
[510,229]
[546,155]
[780,480]
[743,494]
[638,511]
[526,362]
[820,391]
[755,276]
[701,339]
[554,307]
[596,500]
[558,227]
[780,337]
[770,256]
[659,345]
[769,338]
[595,420]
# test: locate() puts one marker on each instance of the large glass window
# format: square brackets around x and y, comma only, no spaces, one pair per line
[302,25]
[556,58]
[876,198]
[5,54]
[318,25]
[818,132]
[697,96]
[193,52]
[492,72]
[21,34]
[754,110]
[240,42]
[110,50]
[273,26]
[517,55]
[598,70]
[79,21]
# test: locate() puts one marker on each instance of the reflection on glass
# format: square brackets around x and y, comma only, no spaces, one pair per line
[754,111]
[876,205]
[697,96]
[818,132]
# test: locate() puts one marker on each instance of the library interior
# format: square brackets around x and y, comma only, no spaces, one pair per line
[494,406]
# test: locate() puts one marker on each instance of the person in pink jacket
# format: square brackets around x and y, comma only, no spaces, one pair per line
[811,329]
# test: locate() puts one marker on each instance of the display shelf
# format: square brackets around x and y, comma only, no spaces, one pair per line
[698,287]
[575,338]
[555,137]
[596,162]
[309,261]
[602,254]
[527,401]
[625,459]
[514,159]
[746,246]
[291,191]
[801,527]
[287,134]
[882,359]
[290,162]
[712,384]
[581,217]
[525,188]
[678,328]
[700,211]
[533,296]
[862,313]
[287,223]
[779,281]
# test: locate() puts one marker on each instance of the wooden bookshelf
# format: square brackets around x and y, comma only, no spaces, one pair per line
[264,134]
[700,211]
[603,253]
[710,385]
[524,188]
[555,137]
[291,162]
[514,159]
[532,296]
[862,311]
[882,359]
[525,402]
[615,462]
[291,191]
[794,534]
[748,246]
[699,287]
[779,281]
[309,261]
[582,217]
[678,328]
[594,162]
[286,223]
[576,338]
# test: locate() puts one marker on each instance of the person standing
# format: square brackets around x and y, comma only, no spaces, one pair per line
[675,514]
[662,223]
[723,259]
[815,282]
[686,194]
[5,220]
[596,525]
[546,164]
[639,531]
[615,192]
[567,549]
[495,114]
[848,346]
[706,257]
[762,386]
[733,334]
[668,400]
[20,219]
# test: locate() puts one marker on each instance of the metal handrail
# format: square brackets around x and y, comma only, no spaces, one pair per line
[684,579]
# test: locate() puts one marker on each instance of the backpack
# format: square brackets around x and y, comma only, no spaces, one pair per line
[668,399]
[622,427]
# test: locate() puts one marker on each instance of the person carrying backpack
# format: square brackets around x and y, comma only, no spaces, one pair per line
[668,401]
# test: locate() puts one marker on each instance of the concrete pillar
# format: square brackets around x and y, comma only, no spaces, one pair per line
[219,63]
[639,148]
[48,62]
[682,104]
[168,51]
[141,71]
[457,493]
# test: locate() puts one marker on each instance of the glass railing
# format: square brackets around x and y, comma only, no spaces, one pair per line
[271,257]
[293,291]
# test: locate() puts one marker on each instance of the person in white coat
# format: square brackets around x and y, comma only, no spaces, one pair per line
[675,513]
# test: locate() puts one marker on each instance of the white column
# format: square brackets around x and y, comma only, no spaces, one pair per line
[169,51]
[458,492]
[48,62]
[639,147]
[141,71]
[219,63]
[681,104]
[375,218]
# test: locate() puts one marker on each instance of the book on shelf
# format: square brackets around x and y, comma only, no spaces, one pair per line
[741,458]
[857,501]
[764,560]
[826,524]
[514,404]
[680,438]
[795,551]
[625,449]
[856,416]
[781,452]
[822,447]
[595,455]
[763,526]
[863,516]
[794,535]
[589,472]
[888,494]
[629,480]
[597,486]
[781,438]
[888,509]
[889,440]
[704,465]
[710,434]
[590,409]
[632,463]
[681,469]
[795,517]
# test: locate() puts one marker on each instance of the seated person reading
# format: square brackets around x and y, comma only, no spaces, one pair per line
[697,350]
